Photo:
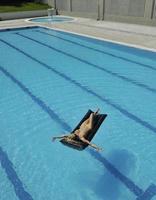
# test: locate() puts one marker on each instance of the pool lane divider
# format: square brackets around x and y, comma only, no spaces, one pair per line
[124,78]
[7,165]
[84,88]
[37,100]
[96,50]
[4,160]
[125,180]
[141,195]
[149,193]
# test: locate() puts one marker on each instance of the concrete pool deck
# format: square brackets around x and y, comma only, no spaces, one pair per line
[135,35]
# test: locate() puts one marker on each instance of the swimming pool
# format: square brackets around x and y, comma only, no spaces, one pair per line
[52,19]
[48,81]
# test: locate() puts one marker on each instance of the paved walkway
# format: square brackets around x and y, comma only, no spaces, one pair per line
[136,35]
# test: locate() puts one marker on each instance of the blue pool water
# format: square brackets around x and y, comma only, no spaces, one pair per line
[48,81]
[53,19]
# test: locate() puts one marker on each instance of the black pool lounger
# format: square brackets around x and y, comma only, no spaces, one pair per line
[75,142]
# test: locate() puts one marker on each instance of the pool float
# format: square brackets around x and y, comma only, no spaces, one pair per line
[74,141]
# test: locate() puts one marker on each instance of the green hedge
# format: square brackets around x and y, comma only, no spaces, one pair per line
[21,6]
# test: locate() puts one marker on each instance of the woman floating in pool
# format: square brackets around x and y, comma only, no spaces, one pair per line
[82,131]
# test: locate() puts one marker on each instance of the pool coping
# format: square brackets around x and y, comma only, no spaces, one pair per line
[29,20]
[26,23]
[106,40]
[35,24]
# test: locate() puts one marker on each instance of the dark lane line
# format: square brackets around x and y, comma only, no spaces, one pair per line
[114,74]
[141,195]
[4,160]
[13,177]
[37,100]
[97,50]
[18,185]
[126,181]
[88,90]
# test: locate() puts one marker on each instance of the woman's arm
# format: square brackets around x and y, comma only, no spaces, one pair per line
[59,137]
[90,144]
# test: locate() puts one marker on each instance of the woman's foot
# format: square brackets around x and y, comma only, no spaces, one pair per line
[97,112]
